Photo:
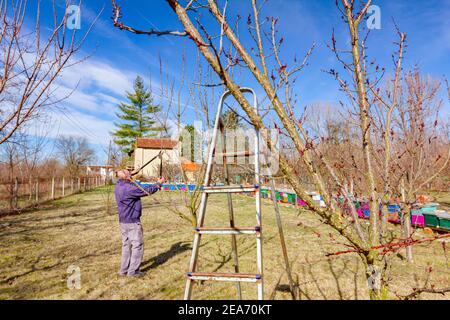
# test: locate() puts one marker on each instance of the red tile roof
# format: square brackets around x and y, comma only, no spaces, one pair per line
[155,143]
[191,166]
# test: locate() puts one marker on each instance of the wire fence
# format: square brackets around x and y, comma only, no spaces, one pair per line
[19,193]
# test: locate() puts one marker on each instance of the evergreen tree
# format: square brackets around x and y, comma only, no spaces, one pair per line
[138,117]
[231,120]
[194,143]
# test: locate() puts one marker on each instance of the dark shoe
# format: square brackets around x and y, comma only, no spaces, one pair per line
[137,274]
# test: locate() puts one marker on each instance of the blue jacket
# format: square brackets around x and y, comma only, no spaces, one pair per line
[128,198]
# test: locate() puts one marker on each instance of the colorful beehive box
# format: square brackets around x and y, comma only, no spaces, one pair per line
[420,209]
[365,209]
[264,193]
[393,213]
[279,195]
[417,220]
[360,212]
[165,187]
[444,220]
[291,198]
[394,207]
[431,220]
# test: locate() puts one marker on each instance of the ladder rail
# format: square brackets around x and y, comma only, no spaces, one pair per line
[259,239]
[200,218]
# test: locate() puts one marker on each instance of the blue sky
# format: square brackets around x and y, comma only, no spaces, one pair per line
[116,57]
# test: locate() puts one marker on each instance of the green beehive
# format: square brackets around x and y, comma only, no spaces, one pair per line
[431,220]
[291,198]
[279,196]
[444,220]
[444,223]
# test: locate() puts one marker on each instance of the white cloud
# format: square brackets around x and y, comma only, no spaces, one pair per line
[78,124]
[94,88]
[99,74]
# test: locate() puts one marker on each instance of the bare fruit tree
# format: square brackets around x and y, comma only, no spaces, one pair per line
[31,62]
[76,153]
[224,50]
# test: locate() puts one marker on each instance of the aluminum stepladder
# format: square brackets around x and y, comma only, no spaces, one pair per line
[232,230]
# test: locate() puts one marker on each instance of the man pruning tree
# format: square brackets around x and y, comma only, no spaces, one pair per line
[128,198]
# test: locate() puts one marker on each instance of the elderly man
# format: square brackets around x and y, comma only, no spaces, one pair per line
[128,197]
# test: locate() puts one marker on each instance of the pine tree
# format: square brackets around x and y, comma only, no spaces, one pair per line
[138,117]
[231,119]
[194,143]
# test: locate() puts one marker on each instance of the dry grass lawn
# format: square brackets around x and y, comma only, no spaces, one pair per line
[37,247]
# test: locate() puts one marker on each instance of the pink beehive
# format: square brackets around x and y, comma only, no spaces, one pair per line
[418,220]
[360,212]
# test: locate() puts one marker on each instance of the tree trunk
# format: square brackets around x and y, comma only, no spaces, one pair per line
[384,217]
[375,276]
[407,231]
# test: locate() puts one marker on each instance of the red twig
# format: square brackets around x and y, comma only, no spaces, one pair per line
[394,246]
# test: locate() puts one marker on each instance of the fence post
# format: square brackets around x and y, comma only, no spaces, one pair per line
[63,186]
[37,190]
[53,188]
[71,185]
[79,184]
[84,183]
[30,184]
[16,192]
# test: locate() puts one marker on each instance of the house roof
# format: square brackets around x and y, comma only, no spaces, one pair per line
[191,166]
[155,143]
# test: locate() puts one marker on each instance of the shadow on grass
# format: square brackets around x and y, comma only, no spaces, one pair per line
[87,223]
[162,258]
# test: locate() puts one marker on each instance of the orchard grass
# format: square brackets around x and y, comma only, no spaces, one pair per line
[38,246]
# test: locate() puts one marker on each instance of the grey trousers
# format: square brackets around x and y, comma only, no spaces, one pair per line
[132,248]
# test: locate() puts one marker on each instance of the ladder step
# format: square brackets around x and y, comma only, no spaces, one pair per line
[232,277]
[247,153]
[236,231]
[230,189]
[236,154]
